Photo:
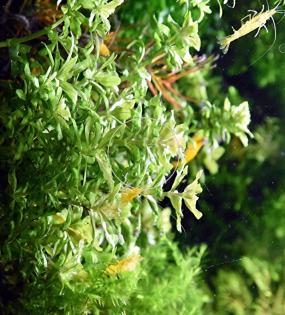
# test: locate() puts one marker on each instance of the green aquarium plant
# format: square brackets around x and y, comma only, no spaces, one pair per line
[98,124]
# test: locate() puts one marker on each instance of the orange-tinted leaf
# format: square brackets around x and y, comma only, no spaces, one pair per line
[129,194]
[127,264]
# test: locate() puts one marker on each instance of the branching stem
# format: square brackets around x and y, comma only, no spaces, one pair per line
[7,42]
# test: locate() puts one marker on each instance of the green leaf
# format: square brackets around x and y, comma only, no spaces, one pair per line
[106,139]
[122,109]
[66,72]
[105,167]
[69,90]
[12,180]
[20,93]
[211,159]
[190,195]
[181,173]
[63,110]
[105,10]
[176,202]
[108,80]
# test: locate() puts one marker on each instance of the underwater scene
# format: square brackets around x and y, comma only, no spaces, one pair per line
[142,157]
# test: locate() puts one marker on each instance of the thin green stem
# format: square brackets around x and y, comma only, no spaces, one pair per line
[7,42]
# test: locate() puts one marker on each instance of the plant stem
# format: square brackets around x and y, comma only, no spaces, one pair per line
[7,42]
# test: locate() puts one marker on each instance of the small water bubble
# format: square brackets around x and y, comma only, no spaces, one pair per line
[282,48]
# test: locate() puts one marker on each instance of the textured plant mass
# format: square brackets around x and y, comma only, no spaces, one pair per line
[112,119]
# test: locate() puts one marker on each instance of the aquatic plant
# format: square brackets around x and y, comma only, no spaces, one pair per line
[101,122]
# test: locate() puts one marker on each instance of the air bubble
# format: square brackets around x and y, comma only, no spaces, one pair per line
[282,48]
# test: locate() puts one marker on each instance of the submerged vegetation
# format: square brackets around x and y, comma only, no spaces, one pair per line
[114,121]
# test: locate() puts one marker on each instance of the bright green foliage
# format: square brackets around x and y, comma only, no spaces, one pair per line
[87,150]
[189,196]
[88,147]
[169,283]
[220,123]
